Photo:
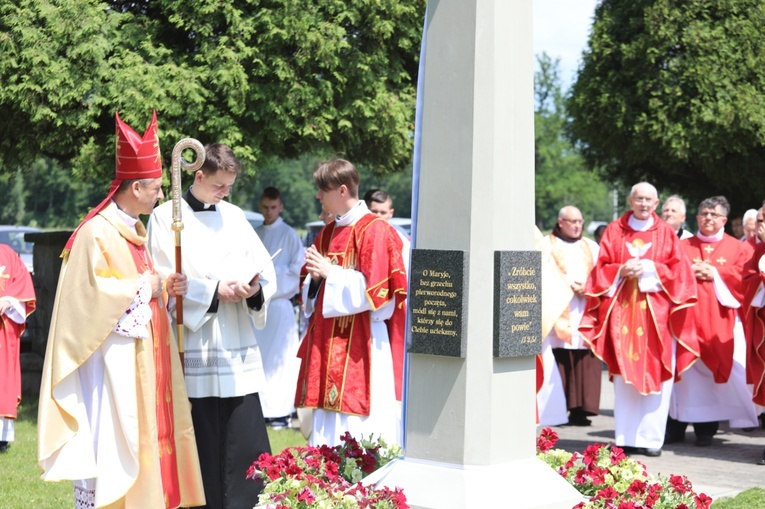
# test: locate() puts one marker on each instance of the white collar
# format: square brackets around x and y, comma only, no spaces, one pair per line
[353,215]
[716,237]
[640,225]
[276,223]
[129,220]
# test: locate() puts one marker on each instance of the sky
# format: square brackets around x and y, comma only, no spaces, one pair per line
[561,28]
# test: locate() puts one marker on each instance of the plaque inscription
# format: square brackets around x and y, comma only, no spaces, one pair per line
[437,303]
[517,303]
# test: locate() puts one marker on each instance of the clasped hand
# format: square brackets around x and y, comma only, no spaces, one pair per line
[235,291]
[176,284]
[632,269]
[703,271]
[318,266]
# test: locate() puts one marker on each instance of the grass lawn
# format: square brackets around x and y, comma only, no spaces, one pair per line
[20,482]
[749,499]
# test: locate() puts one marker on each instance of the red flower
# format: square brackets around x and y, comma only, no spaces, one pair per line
[637,487]
[617,455]
[608,493]
[703,501]
[679,483]
[591,454]
[253,473]
[546,440]
[306,495]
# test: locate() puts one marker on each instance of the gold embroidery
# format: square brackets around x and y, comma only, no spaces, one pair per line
[708,248]
[638,243]
[697,260]
[635,356]
[382,293]
[639,331]
[721,260]
[625,330]
[643,305]
[332,394]
[333,260]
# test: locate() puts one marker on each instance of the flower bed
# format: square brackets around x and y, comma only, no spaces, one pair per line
[612,480]
[327,477]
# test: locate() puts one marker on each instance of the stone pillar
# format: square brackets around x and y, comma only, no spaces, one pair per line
[47,265]
[470,426]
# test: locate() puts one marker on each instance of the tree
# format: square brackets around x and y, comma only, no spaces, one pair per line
[561,177]
[271,78]
[674,93]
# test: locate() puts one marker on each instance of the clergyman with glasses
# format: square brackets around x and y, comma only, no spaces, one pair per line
[714,389]
[639,295]
[574,257]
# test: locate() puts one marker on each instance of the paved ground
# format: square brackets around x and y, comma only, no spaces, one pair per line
[724,469]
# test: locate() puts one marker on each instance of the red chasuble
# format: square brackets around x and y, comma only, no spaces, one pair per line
[715,322]
[336,352]
[632,331]
[16,282]
[160,332]
[754,326]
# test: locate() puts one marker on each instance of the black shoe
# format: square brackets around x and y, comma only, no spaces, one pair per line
[645,451]
[675,431]
[761,461]
[4,446]
[703,441]
[579,420]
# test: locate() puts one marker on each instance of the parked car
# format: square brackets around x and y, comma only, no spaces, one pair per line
[14,237]
[255,218]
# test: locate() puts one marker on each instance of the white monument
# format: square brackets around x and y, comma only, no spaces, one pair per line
[470,427]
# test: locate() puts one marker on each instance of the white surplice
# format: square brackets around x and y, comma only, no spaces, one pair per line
[279,339]
[222,355]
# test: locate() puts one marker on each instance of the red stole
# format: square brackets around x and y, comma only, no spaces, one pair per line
[160,332]
[632,331]
[754,325]
[336,352]
[715,322]
[16,282]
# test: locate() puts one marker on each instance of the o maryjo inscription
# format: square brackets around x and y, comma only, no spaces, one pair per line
[437,304]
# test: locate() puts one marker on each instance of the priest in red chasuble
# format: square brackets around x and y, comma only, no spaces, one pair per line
[754,322]
[714,388]
[351,370]
[17,301]
[639,295]
[114,416]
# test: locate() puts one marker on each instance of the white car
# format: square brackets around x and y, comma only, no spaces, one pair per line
[402,224]
[254,218]
[14,237]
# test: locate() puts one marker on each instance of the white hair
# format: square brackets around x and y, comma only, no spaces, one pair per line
[749,214]
[635,188]
[677,199]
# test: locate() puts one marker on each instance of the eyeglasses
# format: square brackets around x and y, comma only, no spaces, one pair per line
[574,221]
[713,215]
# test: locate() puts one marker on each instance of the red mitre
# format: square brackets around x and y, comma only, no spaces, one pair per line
[137,157]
